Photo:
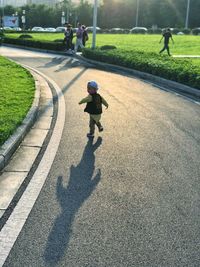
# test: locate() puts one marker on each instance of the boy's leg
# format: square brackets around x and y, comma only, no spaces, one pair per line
[100,127]
[92,126]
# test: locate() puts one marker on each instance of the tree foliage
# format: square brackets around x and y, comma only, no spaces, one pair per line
[113,13]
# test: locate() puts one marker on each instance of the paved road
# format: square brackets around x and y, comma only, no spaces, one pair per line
[128,198]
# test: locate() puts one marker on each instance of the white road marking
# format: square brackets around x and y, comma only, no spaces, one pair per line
[5,50]
[17,219]
[177,94]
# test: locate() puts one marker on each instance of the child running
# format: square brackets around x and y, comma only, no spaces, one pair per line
[94,107]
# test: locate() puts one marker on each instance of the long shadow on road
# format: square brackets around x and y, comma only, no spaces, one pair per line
[80,187]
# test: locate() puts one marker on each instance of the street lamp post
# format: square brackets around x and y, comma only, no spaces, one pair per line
[137,14]
[24,19]
[63,18]
[187,14]
[2,17]
[94,24]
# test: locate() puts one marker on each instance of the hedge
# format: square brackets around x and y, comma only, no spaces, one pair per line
[56,46]
[179,70]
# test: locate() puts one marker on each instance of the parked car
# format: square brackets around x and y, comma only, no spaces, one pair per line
[116,30]
[90,29]
[7,28]
[60,29]
[196,31]
[138,30]
[50,29]
[37,29]
[18,29]
[74,30]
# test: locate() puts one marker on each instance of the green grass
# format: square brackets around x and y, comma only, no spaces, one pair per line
[17,89]
[183,44]
[186,44]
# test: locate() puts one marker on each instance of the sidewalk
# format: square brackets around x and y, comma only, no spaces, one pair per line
[14,174]
[186,56]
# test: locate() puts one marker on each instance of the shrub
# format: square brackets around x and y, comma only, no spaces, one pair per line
[1,37]
[149,62]
[154,31]
[34,43]
[107,47]
[59,40]
[196,31]
[25,36]
[175,30]
[186,31]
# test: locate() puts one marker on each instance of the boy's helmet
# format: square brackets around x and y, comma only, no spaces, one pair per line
[92,85]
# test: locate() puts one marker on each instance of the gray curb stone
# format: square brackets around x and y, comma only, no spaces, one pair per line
[175,86]
[13,142]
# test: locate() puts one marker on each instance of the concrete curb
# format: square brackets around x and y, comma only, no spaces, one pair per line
[171,85]
[35,49]
[13,142]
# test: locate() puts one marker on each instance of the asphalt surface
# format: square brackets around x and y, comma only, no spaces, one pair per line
[128,197]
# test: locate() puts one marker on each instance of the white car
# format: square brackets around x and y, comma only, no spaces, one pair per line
[60,29]
[90,29]
[49,29]
[138,30]
[8,29]
[37,29]
[18,29]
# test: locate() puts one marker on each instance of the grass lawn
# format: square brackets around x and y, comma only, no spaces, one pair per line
[17,88]
[184,44]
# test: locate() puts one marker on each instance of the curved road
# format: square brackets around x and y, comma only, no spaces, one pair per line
[128,198]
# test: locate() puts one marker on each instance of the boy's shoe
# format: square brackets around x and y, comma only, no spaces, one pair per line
[101,129]
[90,135]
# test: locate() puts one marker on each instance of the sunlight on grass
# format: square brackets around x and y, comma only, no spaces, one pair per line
[184,45]
[17,89]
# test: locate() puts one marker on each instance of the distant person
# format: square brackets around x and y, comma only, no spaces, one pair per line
[166,35]
[94,107]
[79,38]
[85,35]
[68,36]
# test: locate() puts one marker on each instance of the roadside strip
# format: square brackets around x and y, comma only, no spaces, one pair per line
[157,81]
[10,145]
[18,217]
[21,149]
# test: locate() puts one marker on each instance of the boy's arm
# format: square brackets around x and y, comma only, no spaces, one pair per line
[104,102]
[86,100]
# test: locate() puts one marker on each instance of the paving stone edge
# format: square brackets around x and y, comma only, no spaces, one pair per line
[143,75]
[13,142]
[146,76]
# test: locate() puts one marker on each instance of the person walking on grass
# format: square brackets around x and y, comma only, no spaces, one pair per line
[166,35]
[94,107]
[85,35]
[68,37]
[79,38]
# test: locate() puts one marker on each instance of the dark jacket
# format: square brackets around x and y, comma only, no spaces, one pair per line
[69,34]
[95,106]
